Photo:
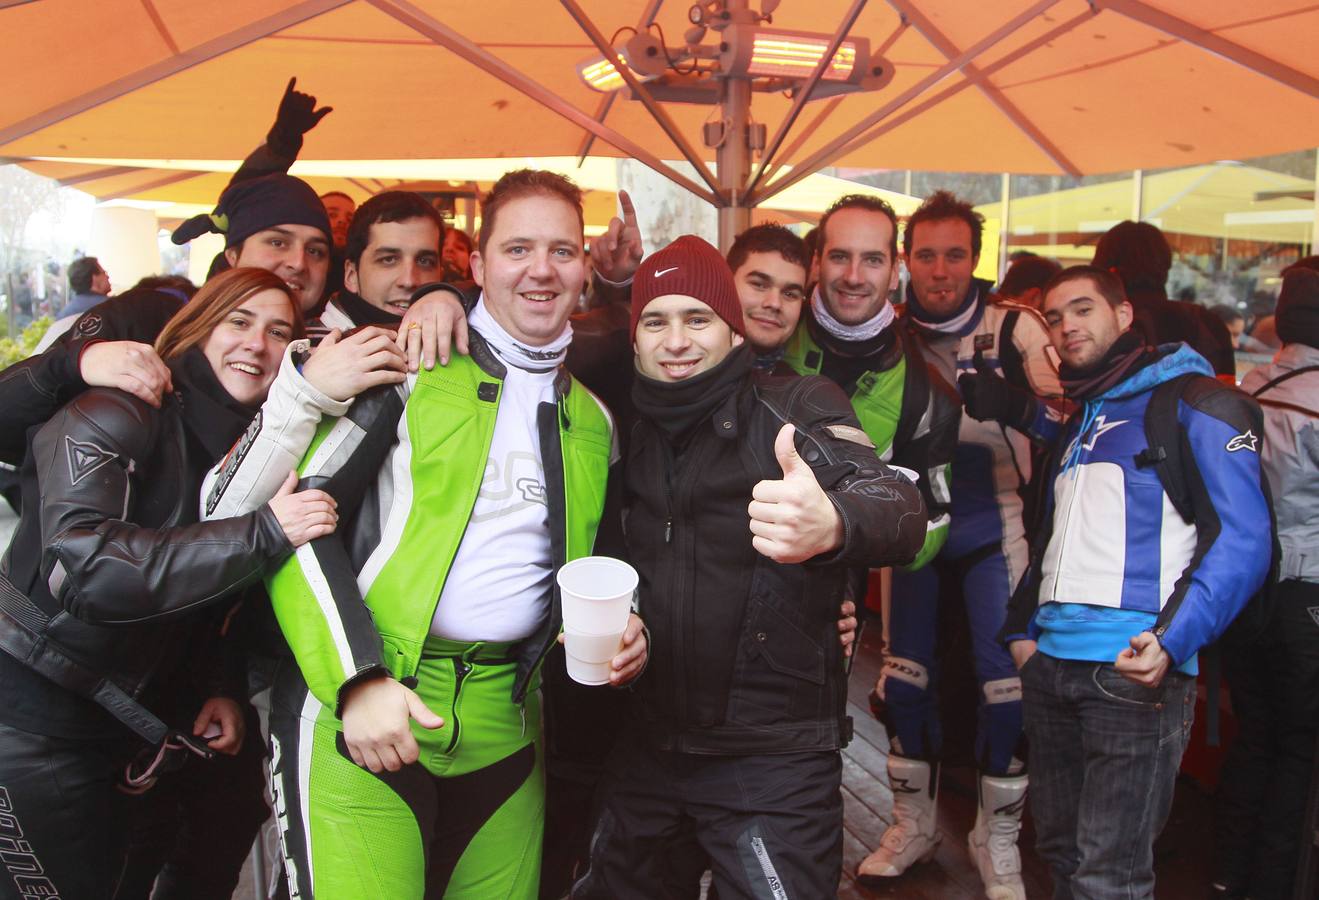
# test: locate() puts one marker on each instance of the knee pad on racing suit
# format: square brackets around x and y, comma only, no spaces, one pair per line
[902,702]
[998,738]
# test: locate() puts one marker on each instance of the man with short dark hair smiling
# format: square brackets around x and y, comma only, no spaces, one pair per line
[750,689]
[958,330]
[420,636]
[769,266]
[1130,576]
[849,334]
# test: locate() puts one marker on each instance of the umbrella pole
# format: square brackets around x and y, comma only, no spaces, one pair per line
[733,158]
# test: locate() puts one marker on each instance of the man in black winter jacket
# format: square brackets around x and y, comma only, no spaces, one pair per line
[1139,254]
[747,498]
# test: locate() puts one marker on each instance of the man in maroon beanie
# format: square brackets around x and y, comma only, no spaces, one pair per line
[747,497]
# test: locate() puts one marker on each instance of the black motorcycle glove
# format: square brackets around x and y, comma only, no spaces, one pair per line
[297,115]
[989,398]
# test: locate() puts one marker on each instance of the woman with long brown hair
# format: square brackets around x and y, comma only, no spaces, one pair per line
[110,573]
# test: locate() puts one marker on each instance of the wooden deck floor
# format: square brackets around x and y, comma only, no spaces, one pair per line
[1182,855]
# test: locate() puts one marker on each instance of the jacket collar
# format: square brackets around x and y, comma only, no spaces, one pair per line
[962,322]
[1296,356]
[489,362]
[1174,360]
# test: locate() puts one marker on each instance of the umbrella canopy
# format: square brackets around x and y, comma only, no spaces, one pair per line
[1222,200]
[1017,85]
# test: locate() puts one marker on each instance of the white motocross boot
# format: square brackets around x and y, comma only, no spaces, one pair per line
[993,841]
[912,837]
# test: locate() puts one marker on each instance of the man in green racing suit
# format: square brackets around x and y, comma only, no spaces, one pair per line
[407,758]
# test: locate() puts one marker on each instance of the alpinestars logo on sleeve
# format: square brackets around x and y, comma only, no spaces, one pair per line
[84,459]
[1246,441]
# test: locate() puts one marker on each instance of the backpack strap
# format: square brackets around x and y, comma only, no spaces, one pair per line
[1009,357]
[1282,404]
[1281,378]
[1165,442]
[915,394]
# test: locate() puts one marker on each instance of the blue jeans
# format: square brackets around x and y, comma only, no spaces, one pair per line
[1104,755]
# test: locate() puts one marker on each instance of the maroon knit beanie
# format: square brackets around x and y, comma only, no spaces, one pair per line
[690,267]
[1297,313]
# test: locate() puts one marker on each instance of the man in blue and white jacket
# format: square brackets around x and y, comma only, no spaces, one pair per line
[1123,591]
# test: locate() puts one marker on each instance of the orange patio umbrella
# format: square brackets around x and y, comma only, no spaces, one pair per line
[1041,86]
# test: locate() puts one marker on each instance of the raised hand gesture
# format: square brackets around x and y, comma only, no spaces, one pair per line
[617,253]
[296,116]
[793,519]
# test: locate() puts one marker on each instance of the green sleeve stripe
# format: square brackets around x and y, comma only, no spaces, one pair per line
[307,615]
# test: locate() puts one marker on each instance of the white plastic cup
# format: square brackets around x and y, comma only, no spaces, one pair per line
[588,655]
[597,598]
[597,594]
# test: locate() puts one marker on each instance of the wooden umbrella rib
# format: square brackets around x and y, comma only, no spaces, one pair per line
[444,36]
[929,103]
[925,26]
[157,184]
[804,92]
[1213,43]
[159,22]
[607,101]
[827,154]
[642,93]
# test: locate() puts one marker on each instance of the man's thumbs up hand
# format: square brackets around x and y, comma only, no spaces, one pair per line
[785,451]
[792,519]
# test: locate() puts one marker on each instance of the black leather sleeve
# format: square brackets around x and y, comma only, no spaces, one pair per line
[33,390]
[275,157]
[883,515]
[100,566]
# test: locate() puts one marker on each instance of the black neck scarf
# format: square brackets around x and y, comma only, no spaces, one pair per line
[209,412]
[364,313]
[678,407]
[1128,354]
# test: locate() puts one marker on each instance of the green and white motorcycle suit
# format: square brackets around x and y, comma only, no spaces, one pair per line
[405,465]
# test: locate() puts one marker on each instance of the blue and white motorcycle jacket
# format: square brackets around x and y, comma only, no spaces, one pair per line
[1115,551]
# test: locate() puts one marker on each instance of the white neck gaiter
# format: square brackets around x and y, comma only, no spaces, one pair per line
[863,332]
[956,323]
[534,359]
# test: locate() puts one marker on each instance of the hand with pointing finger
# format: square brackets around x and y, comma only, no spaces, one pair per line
[793,519]
[617,253]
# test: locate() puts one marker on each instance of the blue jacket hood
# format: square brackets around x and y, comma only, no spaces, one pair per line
[1174,360]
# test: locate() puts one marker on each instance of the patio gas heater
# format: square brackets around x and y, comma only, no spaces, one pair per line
[728,52]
